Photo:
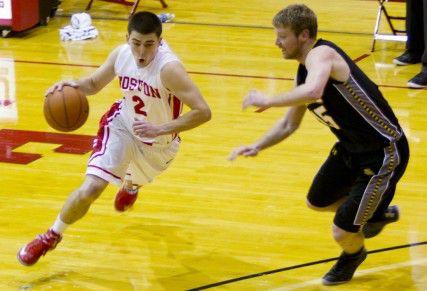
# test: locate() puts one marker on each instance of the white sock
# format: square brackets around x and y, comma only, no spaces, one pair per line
[128,185]
[59,226]
[134,191]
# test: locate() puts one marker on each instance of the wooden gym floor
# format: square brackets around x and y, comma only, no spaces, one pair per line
[205,222]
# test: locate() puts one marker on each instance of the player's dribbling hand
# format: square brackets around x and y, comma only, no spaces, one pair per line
[257,99]
[246,151]
[143,128]
[59,85]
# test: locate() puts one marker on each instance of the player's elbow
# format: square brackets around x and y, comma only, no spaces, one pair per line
[287,130]
[205,114]
[315,93]
[292,127]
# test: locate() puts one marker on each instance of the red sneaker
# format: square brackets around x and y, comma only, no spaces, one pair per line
[31,253]
[125,199]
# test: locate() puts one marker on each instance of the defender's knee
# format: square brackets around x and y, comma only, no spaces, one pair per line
[340,235]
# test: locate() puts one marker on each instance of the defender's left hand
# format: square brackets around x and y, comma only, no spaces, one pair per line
[257,99]
[143,128]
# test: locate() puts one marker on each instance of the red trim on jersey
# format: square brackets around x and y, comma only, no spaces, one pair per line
[176,107]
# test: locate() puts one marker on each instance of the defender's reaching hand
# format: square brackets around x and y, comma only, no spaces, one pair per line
[247,151]
[257,99]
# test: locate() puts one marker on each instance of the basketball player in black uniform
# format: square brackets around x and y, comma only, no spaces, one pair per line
[359,178]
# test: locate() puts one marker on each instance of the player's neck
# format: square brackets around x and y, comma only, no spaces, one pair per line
[306,48]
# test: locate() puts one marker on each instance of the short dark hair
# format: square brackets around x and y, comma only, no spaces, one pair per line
[298,17]
[145,22]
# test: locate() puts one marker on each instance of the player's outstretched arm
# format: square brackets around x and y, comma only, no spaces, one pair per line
[93,83]
[280,131]
[319,65]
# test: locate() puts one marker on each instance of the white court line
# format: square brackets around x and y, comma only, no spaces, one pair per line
[358,274]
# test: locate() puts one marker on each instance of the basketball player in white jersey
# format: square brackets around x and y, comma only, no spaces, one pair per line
[138,136]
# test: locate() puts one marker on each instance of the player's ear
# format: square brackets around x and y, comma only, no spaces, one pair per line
[305,34]
[127,37]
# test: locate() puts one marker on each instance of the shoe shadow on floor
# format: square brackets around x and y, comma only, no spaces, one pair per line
[73,280]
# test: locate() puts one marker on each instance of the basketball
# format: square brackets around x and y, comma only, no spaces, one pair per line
[66,110]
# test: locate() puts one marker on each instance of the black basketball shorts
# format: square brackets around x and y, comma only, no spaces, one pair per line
[368,180]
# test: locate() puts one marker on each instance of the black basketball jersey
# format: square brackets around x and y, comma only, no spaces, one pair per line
[355,110]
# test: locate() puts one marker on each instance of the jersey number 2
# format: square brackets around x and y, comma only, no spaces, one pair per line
[139,105]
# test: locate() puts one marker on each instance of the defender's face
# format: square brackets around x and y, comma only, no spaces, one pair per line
[288,42]
[144,47]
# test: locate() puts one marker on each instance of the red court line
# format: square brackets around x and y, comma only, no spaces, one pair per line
[198,73]
[397,87]
[190,72]
[240,76]
[358,59]
[55,64]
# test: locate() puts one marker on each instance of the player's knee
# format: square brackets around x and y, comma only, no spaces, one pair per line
[340,234]
[86,195]
[90,191]
[314,207]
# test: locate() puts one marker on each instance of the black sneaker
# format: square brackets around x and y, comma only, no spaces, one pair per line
[373,228]
[344,268]
[419,81]
[407,58]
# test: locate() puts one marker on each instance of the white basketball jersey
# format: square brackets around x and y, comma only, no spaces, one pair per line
[145,97]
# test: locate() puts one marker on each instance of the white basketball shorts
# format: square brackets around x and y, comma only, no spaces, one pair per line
[118,152]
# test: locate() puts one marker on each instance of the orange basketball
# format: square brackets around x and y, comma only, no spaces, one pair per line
[66,110]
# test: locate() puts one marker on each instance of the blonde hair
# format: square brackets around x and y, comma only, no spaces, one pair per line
[298,17]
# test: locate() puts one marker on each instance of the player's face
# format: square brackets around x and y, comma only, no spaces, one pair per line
[144,47]
[288,42]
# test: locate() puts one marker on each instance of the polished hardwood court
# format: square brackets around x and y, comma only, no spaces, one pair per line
[205,222]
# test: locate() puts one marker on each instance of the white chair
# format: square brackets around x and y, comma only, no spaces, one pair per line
[396,35]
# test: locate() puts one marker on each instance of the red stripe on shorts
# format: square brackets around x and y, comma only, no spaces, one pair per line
[103,130]
[105,171]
